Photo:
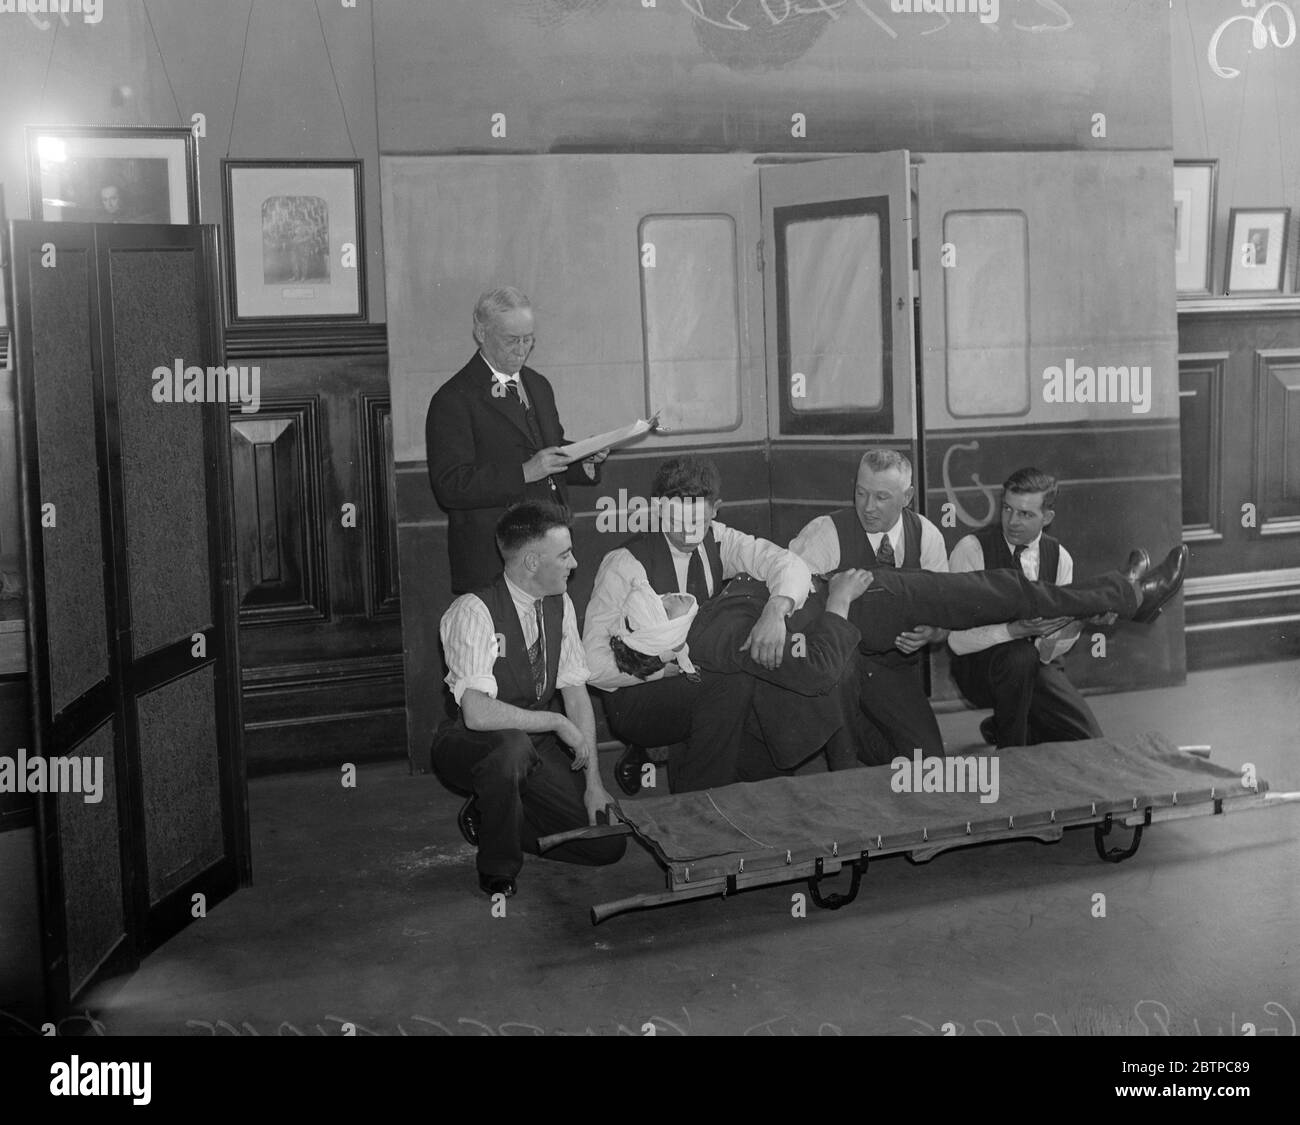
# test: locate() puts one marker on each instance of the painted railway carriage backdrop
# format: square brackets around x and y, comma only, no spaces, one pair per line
[793,230]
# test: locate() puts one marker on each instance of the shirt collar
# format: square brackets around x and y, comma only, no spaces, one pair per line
[501,376]
[1030,547]
[522,599]
[893,532]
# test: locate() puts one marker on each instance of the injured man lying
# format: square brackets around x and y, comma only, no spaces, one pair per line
[796,706]
[523,743]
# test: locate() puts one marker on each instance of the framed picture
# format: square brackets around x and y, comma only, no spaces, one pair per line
[1195,183]
[107,174]
[294,241]
[1256,249]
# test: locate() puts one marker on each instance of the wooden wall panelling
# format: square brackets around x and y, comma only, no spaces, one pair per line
[324,685]
[1201,379]
[382,584]
[275,456]
[1277,441]
[1243,589]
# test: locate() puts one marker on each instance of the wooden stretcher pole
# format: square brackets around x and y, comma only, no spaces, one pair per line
[603,910]
[1206,808]
[589,831]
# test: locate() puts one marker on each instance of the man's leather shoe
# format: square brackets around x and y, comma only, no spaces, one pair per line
[1139,562]
[467,820]
[1161,584]
[627,771]
[496,885]
[989,731]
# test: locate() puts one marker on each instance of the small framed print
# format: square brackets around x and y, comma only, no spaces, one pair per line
[111,174]
[294,241]
[1256,249]
[1195,183]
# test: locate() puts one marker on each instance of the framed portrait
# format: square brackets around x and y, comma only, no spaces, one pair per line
[1256,249]
[107,174]
[1195,182]
[294,241]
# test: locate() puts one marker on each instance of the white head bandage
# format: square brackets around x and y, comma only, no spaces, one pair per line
[657,625]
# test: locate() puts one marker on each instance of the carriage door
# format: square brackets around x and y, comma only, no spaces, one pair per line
[1049,339]
[837,298]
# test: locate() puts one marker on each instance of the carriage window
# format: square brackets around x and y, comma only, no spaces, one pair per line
[986,312]
[832,281]
[690,321]
[834,342]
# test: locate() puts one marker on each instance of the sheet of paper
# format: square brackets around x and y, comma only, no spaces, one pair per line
[587,446]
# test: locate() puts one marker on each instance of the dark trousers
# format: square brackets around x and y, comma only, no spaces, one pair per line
[525,790]
[899,600]
[1032,702]
[702,723]
[891,697]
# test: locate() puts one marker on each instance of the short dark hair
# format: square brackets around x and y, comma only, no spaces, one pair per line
[688,476]
[1033,480]
[525,523]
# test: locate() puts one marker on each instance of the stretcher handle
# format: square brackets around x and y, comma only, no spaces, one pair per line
[591,832]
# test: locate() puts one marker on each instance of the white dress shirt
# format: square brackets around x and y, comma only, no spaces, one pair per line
[968,555]
[472,646]
[818,544]
[785,574]
[505,380]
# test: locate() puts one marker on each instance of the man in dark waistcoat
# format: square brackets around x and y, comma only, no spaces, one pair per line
[702,718]
[514,652]
[1016,668]
[880,531]
[492,438]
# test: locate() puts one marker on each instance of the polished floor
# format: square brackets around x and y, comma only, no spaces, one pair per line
[365,911]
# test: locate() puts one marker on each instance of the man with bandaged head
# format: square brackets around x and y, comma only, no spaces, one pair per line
[699,714]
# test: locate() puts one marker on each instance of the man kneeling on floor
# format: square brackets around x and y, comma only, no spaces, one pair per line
[513,652]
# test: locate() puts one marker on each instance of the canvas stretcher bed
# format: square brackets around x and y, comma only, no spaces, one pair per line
[721,841]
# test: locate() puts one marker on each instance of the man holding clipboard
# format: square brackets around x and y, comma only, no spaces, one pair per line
[493,438]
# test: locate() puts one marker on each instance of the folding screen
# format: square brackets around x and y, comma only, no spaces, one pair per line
[132,644]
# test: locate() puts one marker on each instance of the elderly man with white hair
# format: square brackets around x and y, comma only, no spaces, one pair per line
[493,438]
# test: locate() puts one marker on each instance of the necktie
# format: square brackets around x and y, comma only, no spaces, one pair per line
[537,653]
[1018,552]
[530,418]
[885,553]
[695,581]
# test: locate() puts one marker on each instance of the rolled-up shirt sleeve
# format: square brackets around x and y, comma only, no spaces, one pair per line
[786,574]
[967,556]
[470,646]
[818,544]
[614,578]
[573,670]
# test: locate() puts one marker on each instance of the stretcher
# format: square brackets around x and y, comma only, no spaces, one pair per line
[810,827]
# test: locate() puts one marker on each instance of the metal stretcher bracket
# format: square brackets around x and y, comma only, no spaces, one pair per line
[836,900]
[1118,855]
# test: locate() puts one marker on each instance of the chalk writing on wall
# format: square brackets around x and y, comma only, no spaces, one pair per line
[1263,30]
[991,495]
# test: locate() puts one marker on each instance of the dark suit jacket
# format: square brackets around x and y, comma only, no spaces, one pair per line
[477,443]
[797,705]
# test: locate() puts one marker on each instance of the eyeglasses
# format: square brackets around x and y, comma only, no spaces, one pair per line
[517,341]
